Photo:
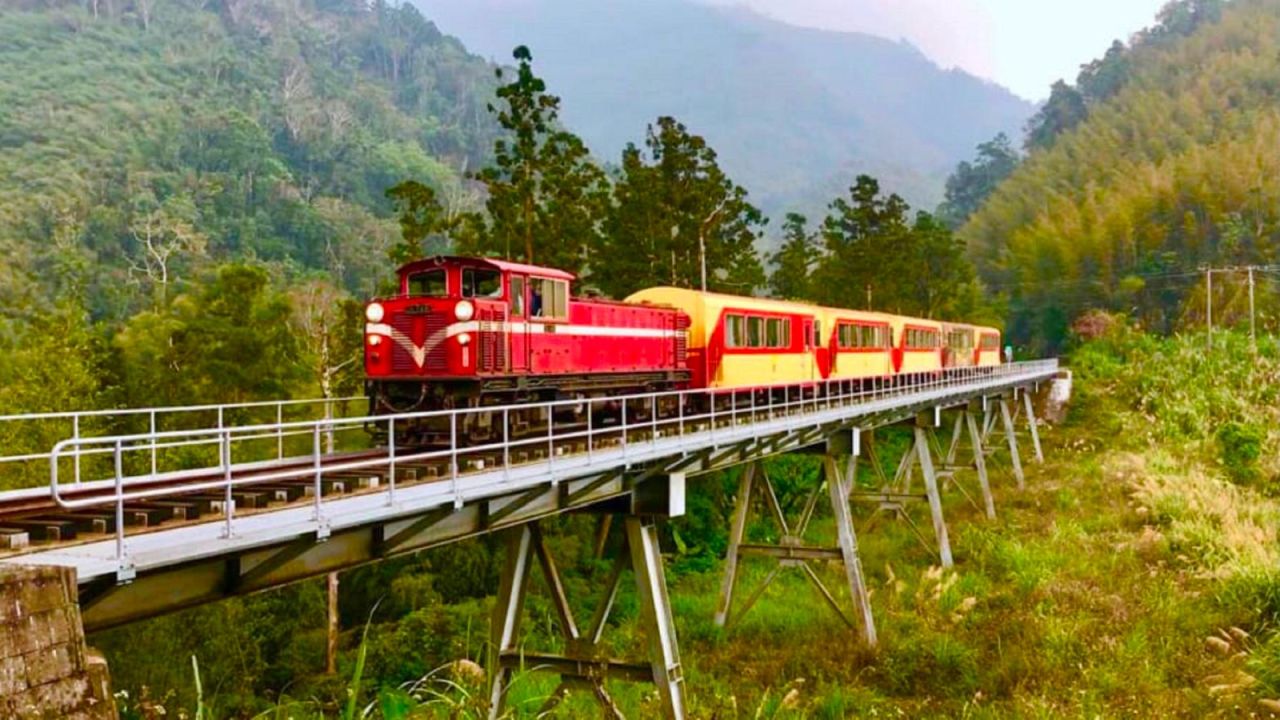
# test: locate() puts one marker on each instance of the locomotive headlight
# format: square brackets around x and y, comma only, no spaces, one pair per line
[375,340]
[464,310]
[464,339]
[374,312]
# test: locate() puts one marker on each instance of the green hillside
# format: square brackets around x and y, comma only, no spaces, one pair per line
[143,144]
[1174,167]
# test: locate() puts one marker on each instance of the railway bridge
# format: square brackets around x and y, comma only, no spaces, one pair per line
[200,504]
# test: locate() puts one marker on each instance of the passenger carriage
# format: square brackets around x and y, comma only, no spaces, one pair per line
[745,342]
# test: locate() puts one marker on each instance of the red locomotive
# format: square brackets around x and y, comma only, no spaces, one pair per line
[468,332]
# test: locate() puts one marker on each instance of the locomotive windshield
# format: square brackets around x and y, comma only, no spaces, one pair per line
[429,283]
[481,283]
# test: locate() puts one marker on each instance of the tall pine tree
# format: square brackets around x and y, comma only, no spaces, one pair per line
[546,198]
[674,207]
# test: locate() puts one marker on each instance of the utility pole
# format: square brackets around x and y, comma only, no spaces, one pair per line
[1208,298]
[1253,328]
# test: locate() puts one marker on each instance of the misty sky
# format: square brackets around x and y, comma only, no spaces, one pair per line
[1022,44]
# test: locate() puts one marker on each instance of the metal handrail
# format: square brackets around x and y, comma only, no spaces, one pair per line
[794,405]
[156,418]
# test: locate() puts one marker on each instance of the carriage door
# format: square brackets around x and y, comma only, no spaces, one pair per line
[809,344]
[518,327]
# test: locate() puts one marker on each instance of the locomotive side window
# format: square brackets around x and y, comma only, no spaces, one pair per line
[481,283]
[429,283]
[517,296]
[735,331]
[550,298]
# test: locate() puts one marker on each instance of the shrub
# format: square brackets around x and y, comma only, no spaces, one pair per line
[1239,448]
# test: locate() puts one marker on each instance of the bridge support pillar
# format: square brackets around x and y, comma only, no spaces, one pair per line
[585,663]
[1031,425]
[791,549]
[1007,419]
[895,493]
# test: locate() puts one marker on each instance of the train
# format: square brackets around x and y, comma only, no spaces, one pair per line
[471,332]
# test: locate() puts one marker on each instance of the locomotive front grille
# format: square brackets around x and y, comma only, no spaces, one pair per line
[418,329]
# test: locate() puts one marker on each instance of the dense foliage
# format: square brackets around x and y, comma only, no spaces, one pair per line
[1172,168]
[145,142]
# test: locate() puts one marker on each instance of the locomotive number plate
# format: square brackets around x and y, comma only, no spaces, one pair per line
[418,309]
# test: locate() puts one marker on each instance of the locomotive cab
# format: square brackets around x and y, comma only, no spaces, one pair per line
[454,321]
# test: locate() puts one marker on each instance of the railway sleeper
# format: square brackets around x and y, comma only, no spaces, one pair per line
[178,509]
[328,486]
[146,516]
[284,493]
[359,479]
[44,530]
[14,538]
[88,522]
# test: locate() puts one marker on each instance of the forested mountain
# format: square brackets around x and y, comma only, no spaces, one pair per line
[1133,190]
[794,113]
[142,142]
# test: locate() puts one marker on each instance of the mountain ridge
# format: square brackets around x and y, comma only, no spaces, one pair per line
[780,104]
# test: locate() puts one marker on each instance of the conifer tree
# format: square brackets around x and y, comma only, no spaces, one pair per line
[546,197]
[675,210]
[795,260]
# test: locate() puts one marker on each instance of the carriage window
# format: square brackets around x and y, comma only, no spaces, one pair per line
[427,284]
[990,342]
[773,332]
[517,296]
[817,333]
[961,339]
[550,298]
[735,332]
[481,283]
[755,332]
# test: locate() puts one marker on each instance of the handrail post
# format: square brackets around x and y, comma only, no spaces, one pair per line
[551,443]
[317,489]
[653,419]
[228,500]
[119,466]
[280,431]
[153,442]
[680,398]
[391,450]
[75,435]
[590,428]
[711,400]
[506,444]
[453,459]
[624,428]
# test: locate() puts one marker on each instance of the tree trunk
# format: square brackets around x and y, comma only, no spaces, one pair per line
[331,647]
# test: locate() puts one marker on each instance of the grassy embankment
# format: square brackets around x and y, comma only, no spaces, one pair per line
[1135,577]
